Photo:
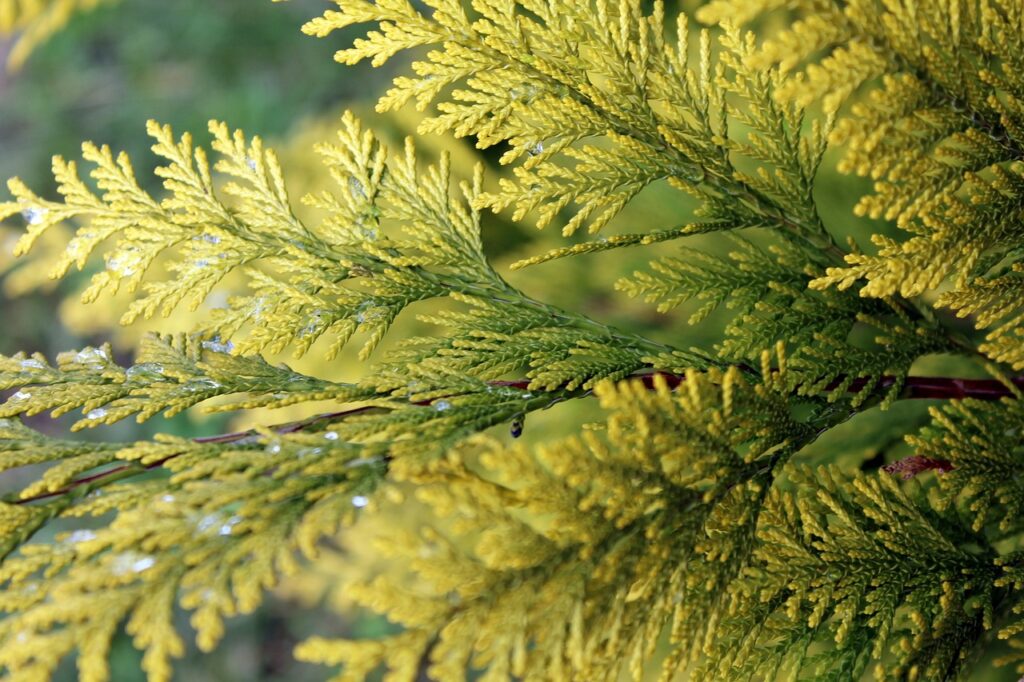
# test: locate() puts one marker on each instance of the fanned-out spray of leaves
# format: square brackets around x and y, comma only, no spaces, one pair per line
[683,534]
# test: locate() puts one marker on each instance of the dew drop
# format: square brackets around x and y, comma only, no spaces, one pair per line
[360,501]
[331,435]
[228,526]
[124,264]
[98,413]
[355,187]
[273,448]
[537,149]
[34,215]
[167,498]
[218,346]
[80,536]
[132,562]
[250,162]
[144,369]
[91,356]
[32,363]
[20,395]
[442,405]
[207,522]
[362,461]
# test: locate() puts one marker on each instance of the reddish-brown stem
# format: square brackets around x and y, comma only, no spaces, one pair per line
[908,467]
[119,471]
[914,388]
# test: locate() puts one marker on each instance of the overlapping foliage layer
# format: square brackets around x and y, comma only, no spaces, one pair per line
[682,535]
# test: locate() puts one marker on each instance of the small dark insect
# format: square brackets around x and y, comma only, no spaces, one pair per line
[517,427]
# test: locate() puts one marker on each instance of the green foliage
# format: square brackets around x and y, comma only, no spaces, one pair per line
[35,21]
[940,137]
[550,576]
[683,534]
[865,570]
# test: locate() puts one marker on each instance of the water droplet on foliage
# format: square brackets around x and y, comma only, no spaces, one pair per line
[362,461]
[20,395]
[360,501]
[442,405]
[98,413]
[208,522]
[355,187]
[34,215]
[218,346]
[331,435]
[250,162]
[94,357]
[132,562]
[144,369]
[32,363]
[80,536]
[229,525]
[124,264]
[537,149]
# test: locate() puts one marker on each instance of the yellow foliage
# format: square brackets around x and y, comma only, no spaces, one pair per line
[669,538]
[33,21]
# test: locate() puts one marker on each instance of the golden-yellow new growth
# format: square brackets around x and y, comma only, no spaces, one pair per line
[690,533]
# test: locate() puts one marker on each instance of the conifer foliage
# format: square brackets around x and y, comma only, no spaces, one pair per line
[36,20]
[694,532]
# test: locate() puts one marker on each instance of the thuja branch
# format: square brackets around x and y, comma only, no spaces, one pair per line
[915,388]
[86,484]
